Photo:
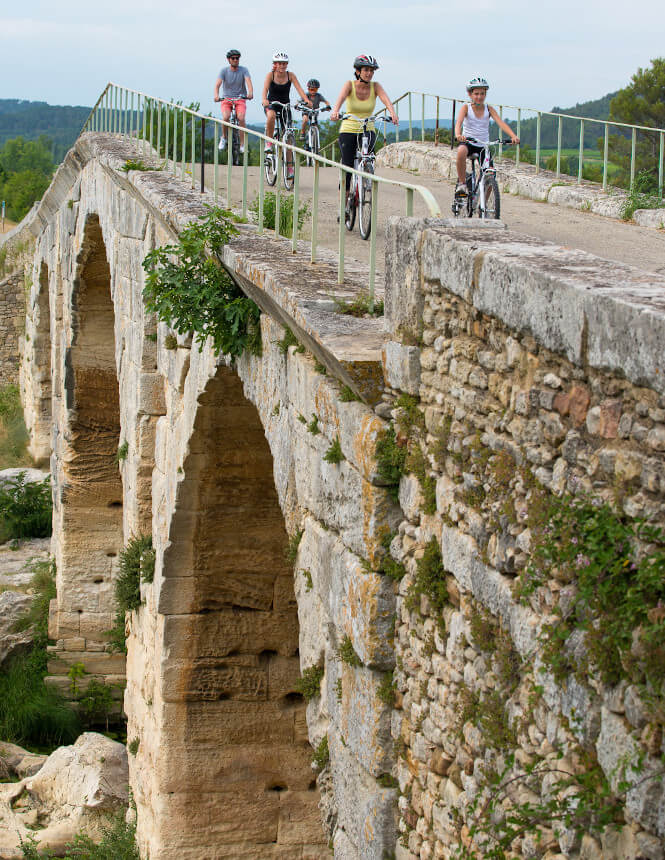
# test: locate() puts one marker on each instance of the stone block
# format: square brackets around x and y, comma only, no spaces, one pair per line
[401,367]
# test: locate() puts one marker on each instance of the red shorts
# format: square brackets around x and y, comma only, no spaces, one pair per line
[241,107]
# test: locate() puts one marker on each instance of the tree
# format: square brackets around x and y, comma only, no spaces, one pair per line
[642,102]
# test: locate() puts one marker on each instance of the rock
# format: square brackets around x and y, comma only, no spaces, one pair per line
[76,789]
[13,606]
[31,476]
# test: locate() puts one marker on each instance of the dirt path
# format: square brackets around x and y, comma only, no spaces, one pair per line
[642,247]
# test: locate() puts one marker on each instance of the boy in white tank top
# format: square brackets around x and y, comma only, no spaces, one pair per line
[474,121]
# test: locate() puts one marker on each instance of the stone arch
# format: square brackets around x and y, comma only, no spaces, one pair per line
[231,764]
[89,505]
[36,375]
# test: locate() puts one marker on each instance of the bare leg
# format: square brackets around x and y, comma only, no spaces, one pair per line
[270,123]
[462,152]
[243,123]
[226,113]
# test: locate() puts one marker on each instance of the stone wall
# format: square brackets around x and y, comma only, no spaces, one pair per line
[533,374]
[12,316]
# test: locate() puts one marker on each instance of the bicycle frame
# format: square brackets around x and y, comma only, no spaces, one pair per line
[485,165]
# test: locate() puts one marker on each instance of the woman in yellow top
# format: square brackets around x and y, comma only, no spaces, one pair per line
[360,96]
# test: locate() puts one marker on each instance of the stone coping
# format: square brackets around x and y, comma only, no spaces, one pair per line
[285,285]
[523,181]
[595,312]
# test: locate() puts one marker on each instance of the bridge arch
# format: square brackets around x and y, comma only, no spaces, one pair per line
[230,750]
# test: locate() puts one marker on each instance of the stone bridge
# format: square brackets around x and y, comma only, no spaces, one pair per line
[494,345]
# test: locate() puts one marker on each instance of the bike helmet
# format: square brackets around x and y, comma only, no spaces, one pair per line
[280,57]
[365,60]
[232,53]
[478,82]
[312,82]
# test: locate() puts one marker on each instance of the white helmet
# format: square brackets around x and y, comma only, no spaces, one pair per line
[479,83]
[280,57]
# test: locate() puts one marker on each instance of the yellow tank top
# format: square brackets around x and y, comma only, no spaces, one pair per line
[359,108]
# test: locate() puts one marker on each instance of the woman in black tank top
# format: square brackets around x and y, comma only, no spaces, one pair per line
[277,88]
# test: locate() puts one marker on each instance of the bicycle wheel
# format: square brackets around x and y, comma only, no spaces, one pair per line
[351,205]
[288,164]
[270,165]
[365,203]
[236,148]
[314,143]
[492,199]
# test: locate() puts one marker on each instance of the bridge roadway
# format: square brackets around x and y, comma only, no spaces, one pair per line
[642,247]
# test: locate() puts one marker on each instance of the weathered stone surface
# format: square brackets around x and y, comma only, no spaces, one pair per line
[14,605]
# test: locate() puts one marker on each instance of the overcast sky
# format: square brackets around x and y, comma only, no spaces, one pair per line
[536,55]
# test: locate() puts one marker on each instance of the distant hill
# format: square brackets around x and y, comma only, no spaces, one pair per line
[61,123]
[570,136]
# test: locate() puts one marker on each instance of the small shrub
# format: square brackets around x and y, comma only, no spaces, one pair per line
[13,434]
[76,671]
[285,212]
[410,415]
[96,704]
[309,683]
[334,453]
[320,368]
[391,460]
[288,340]
[291,551]
[347,653]
[361,306]
[338,689]
[386,780]
[307,574]
[135,165]
[321,755]
[137,561]
[123,451]
[387,689]
[25,508]
[347,395]
[170,342]
[640,196]
[430,580]
[133,746]
[313,426]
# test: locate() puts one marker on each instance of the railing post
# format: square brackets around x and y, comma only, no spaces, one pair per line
[159,130]
[410,118]
[500,144]
[315,211]
[278,196]
[606,146]
[397,126]
[296,202]
[452,126]
[422,127]
[262,147]
[245,162]
[580,165]
[409,201]
[342,226]
[151,121]
[203,155]
[193,148]
[229,164]
[184,146]
[175,140]
[132,116]
[167,134]
[538,124]
[372,244]
[436,127]
[661,152]
[558,148]
[519,127]
[633,146]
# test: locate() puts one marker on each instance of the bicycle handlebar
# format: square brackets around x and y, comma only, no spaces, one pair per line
[363,119]
[301,106]
[488,142]
[234,99]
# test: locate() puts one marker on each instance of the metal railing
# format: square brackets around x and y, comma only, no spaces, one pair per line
[584,123]
[176,133]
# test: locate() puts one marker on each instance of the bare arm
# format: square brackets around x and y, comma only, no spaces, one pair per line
[264,94]
[502,125]
[383,95]
[458,123]
[343,95]
[218,84]
[303,95]
[249,87]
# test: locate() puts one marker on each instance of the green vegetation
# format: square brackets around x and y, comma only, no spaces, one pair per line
[188,289]
[347,395]
[291,551]
[13,435]
[391,460]
[32,714]
[347,653]
[25,508]
[640,197]
[321,755]
[133,746]
[309,683]
[136,564]
[26,168]
[313,426]
[430,580]
[387,689]
[307,575]
[118,842]
[334,453]
[288,340]
[59,124]
[285,212]
[320,368]
[135,165]
[123,451]
[360,306]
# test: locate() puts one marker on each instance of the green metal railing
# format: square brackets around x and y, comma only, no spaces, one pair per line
[174,132]
[407,101]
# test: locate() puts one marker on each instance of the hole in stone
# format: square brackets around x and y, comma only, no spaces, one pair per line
[223,697]
[278,786]
[267,654]
[292,700]
[98,579]
[114,505]
[312,786]
[111,554]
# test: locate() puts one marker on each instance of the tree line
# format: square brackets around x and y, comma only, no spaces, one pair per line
[26,169]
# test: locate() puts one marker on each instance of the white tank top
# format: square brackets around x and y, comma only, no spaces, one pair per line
[477,128]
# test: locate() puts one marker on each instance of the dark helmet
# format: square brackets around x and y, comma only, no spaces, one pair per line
[312,82]
[365,60]
[232,53]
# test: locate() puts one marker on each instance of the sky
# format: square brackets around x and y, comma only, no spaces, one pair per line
[533,55]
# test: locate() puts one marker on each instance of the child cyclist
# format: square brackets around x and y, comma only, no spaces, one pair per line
[474,121]
[316,98]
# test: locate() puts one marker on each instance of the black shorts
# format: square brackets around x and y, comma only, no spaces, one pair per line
[473,148]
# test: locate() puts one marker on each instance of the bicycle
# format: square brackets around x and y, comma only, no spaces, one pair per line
[284,136]
[235,137]
[313,139]
[360,192]
[482,188]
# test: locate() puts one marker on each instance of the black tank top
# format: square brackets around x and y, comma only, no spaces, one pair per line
[279,92]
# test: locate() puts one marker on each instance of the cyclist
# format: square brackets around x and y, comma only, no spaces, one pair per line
[360,96]
[474,121]
[277,88]
[316,98]
[237,85]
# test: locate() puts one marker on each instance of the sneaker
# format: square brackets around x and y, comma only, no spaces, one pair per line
[222,144]
[241,150]
[290,172]
[461,190]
